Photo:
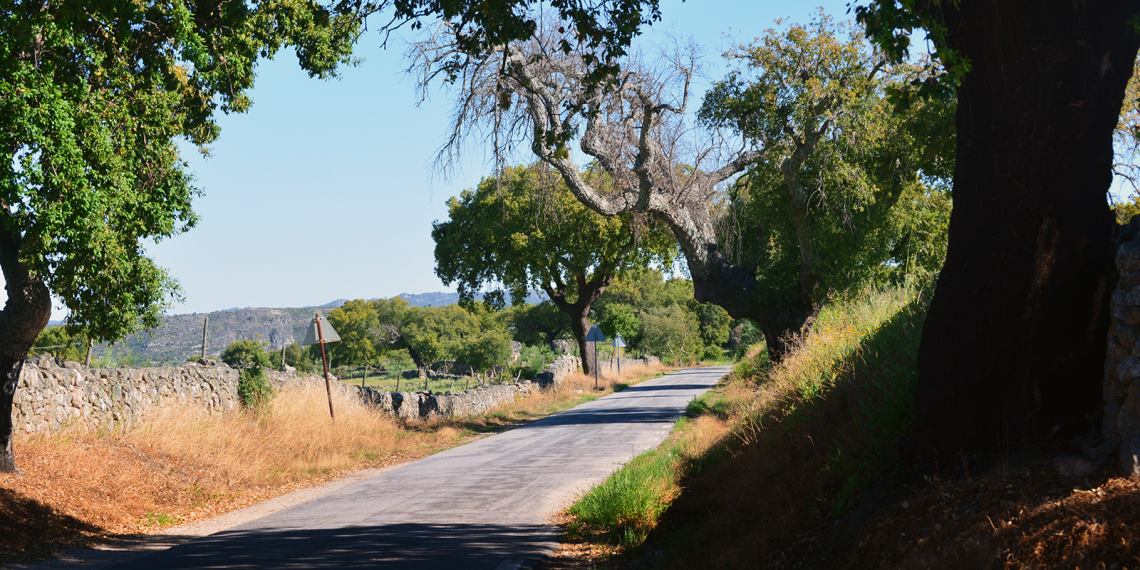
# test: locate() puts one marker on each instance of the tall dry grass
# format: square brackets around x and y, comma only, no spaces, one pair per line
[293,440]
[180,465]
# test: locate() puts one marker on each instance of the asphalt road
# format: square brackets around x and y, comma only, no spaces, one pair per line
[484,505]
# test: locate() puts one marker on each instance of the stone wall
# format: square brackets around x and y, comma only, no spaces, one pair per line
[51,396]
[1121,421]
[558,370]
[609,366]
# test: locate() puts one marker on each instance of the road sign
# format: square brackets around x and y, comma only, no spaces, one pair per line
[313,336]
[321,333]
[595,335]
[618,342]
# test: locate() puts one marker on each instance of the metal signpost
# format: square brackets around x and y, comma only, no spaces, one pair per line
[317,334]
[619,343]
[595,336]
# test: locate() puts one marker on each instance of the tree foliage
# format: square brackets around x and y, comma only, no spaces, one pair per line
[94,96]
[62,344]
[246,354]
[356,323]
[524,230]
[851,192]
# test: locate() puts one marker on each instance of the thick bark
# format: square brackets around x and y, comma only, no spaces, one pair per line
[733,287]
[24,316]
[579,311]
[1014,342]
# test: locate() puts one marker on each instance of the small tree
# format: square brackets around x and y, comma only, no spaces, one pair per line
[250,358]
[61,343]
[487,351]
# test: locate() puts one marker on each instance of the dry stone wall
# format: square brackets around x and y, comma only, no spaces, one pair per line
[54,395]
[1121,422]
[609,366]
[51,396]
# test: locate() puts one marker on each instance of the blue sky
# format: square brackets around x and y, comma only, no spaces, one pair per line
[325,189]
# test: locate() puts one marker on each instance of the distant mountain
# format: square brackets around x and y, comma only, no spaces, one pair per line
[180,336]
[440,298]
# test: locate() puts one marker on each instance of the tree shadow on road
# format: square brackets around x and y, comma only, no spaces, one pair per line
[407,546]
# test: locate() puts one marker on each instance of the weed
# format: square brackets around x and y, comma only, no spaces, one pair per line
[159,519]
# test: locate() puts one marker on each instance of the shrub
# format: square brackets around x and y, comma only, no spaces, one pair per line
[244,354]
[254,389]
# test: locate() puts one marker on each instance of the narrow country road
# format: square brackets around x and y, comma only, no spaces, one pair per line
[482,506]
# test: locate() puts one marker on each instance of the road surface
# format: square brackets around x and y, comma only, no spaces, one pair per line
[484,505]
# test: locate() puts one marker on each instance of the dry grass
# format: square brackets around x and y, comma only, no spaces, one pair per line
[181,465]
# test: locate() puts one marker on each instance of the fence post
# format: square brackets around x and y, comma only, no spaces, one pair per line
[205,323]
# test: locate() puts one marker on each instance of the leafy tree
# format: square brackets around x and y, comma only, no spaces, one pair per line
[296,357]
[529,91]
[246,354]
[844,177]
[486,351]
[428,334]
[356,323]
[93,96]
[61,344]
[542,323]
[1029,256]
[621,319]
[713,321]
[524,230]
[672,333]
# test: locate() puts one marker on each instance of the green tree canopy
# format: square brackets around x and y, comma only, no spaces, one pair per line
[851,191]
[356,323]
[246,354]
[524,230]
[93,99]
[541,323]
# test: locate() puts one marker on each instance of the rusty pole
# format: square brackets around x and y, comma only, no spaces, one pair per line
[325,361]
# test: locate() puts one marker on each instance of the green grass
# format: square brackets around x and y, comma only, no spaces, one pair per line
[865,348]
[626,506]
[159,519]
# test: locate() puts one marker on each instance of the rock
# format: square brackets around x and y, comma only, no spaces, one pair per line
[1074,466]
[560,346]
[1098,453]
[1129,456]
[1127,335]
[207,362]
[1128,370]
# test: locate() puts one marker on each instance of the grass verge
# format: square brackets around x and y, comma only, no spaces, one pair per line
[803,438]
[181,465]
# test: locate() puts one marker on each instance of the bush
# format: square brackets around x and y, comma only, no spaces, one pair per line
[245,354]
[254,389]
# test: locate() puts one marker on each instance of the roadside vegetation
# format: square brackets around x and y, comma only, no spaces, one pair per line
[180,465]
[815,429]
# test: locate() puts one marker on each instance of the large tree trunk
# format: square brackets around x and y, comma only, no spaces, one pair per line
[1014,342]
[733,287]
[24,316]
[581,327]
[579,311]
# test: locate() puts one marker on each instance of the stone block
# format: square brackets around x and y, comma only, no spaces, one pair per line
[1126,334]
